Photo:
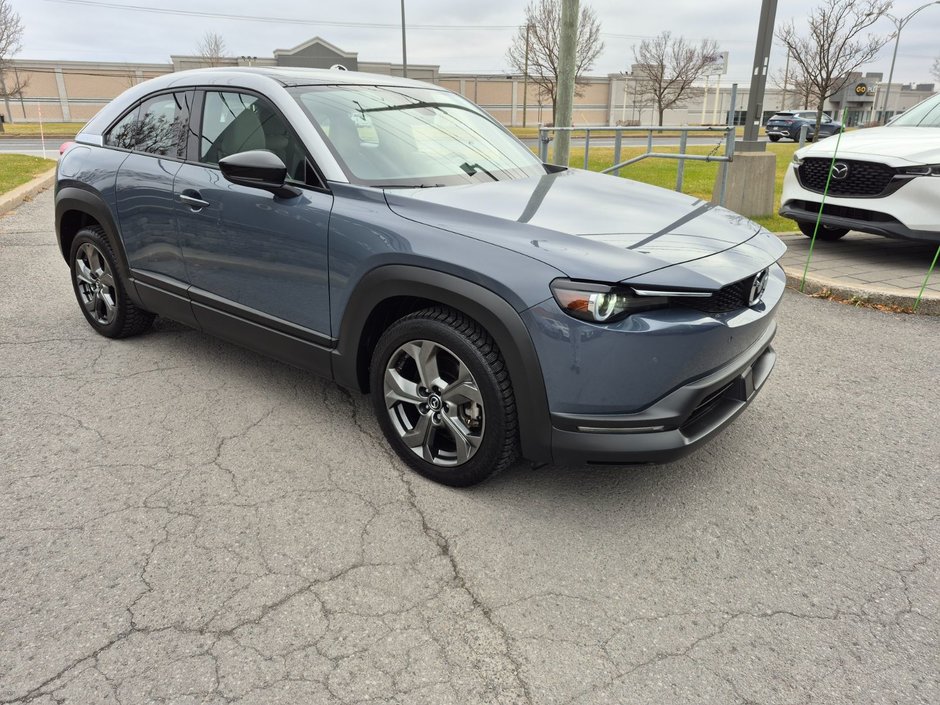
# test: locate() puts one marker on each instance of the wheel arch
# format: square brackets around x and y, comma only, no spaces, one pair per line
[76,208]
[387,293]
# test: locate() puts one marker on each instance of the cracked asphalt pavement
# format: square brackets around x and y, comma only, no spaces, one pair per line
[183,521]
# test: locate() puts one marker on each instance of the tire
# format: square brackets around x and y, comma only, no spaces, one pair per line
[826,232]
[774,138]
[474,435]
[99,289]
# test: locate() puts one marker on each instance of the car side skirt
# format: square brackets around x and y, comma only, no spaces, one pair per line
[230,321]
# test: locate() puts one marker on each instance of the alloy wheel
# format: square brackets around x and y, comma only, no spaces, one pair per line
[95,282]
[434,403]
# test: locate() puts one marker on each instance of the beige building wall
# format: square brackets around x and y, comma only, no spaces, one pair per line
[75,91]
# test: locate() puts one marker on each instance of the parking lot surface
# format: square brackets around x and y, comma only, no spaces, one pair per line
[182,521]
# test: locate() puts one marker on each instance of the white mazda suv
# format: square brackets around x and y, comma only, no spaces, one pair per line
[884,180]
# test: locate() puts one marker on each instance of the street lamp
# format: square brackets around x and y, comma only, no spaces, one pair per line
[525,76]
[404,50]
[900,23]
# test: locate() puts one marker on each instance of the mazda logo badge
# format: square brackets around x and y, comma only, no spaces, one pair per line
[840,170]
[758,287]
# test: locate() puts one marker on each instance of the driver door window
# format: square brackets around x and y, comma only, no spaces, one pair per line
[240,122]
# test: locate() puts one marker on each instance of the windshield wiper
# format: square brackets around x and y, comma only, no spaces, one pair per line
[471,169]
[417,105]
[405,185]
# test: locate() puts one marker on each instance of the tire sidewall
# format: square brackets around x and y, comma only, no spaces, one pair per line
[114,328]
[483,462]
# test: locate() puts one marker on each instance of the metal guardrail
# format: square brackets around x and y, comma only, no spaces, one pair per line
[727,132]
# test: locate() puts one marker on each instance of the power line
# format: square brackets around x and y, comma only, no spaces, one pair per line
[272,20]
[323,23]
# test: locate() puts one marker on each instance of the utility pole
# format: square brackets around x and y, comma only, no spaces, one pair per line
[566,64]
[705,101]
[755,98]
[525,76]
[404,50]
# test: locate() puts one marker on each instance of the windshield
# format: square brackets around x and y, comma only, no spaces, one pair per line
[406,137]
[925,114]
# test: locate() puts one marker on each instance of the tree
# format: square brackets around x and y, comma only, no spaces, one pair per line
[834,46]
[543,19]
[935,69]
[11,32]
[212,48]
[799,91]
[666,68]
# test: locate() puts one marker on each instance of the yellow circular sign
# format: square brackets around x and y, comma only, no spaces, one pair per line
[861,89]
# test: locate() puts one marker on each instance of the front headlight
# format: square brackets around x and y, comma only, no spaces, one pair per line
[601,303]
[924,170]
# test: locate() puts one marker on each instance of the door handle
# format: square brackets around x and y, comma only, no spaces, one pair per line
[191,198]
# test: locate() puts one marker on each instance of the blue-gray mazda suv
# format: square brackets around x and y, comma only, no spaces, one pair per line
[391,236]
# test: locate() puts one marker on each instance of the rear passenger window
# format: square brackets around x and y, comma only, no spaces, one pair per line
[239,122]
[157,126]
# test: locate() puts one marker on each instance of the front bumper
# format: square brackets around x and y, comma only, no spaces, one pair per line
[910,212]
[681,421]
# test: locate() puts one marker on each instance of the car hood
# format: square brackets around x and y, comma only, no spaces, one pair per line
[597,227]
[895,145]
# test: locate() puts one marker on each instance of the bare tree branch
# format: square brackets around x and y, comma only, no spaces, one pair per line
[835,45]
[543,18]
[935,69]
[800,93]
[666,68]
[11,33]
[212,48]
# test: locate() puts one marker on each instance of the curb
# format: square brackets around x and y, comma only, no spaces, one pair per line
[12,199]
[888,296]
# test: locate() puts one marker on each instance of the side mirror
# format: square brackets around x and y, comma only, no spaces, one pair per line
[258,168]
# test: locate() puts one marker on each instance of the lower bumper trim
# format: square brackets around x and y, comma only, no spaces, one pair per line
[875,223]
[708,406]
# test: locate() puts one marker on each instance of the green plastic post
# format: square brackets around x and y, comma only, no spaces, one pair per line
[812,242]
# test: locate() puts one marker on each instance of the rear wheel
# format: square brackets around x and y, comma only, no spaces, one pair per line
[826,232]
[101,293]
[442,395]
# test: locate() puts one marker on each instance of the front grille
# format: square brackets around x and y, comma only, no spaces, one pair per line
[730,298]
[863,180]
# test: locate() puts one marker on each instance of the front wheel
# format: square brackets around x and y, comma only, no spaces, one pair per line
[774,138]
[826,232]
[443,397]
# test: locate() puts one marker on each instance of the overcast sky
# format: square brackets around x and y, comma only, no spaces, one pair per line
[65,30]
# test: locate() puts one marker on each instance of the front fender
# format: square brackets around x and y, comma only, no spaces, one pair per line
[488,309]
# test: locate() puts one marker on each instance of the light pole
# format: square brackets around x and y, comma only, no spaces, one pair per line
[900,23]
[786,81]
[404,51]
[525,76]
[755,97]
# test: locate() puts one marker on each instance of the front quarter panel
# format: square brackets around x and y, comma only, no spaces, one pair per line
[365,234]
